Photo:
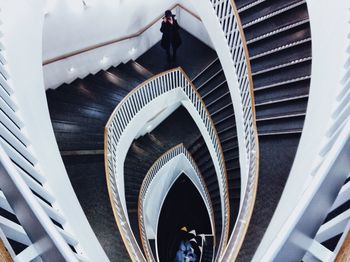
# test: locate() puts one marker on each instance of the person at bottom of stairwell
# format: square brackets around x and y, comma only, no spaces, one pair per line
[171,37]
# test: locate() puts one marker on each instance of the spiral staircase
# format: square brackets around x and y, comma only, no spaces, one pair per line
[238,115]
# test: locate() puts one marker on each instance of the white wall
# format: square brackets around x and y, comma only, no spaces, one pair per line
[192,24]
[70,27]
[22,28]
[160,186]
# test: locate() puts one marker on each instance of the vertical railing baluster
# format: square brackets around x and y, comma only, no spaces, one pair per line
[124,115]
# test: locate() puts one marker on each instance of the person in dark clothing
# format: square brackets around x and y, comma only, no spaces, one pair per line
[171,37]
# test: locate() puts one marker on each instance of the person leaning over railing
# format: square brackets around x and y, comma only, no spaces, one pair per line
[171,36]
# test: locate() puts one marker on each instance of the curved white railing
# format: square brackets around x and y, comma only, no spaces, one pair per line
[126,110]
[27,138]
[35,229]
[23,177]
[324,135]
[233,53]
[324,152]
[151,174]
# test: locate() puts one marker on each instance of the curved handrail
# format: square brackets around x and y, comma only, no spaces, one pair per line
[120,39]
[151,174]
[122,116]
[4,253]
[228,17]
[27,184]
[327,147]
[344,252]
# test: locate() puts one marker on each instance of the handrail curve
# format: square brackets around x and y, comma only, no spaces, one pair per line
[229,20]
[117,40]
[25,192]
[122,116]
[151,174]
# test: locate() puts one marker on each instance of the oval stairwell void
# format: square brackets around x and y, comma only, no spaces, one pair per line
[183,207]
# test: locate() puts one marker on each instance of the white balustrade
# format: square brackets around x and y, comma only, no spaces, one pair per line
[149,178]
[121,118]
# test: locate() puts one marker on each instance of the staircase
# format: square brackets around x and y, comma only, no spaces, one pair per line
[280,55]
[212,86]
[208,254]
[147,149]
[200,154]
[79,112]
[279,43]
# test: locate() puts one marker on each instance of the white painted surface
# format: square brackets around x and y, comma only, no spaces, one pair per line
[171,98]
[22,29]
[288,229]
[160,186]
[344,195]
[328,60]
[70,27]
[192,24]
[333,227]
[158,117]
[139,121]
[320,252]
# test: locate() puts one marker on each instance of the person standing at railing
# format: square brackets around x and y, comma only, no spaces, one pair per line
[171,37]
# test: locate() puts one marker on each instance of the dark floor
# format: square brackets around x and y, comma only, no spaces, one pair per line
[276,153]
[89,182]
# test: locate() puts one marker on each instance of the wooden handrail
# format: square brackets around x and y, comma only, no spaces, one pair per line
[344,252]
[144,186]
[4,254]
[117,40]
[232,246]
[218,150]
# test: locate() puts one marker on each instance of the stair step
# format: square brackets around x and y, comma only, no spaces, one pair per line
[279,133]
[277,31]
[214,82]
[296,106]
[280,47]
[140,69]
[130,81]
[274,125]
[283,75]
[133,71]
[243,5]
[207,72]
[284,58]
[285,82]
[284,21]
[294,89]
[216,95]
[268,10]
